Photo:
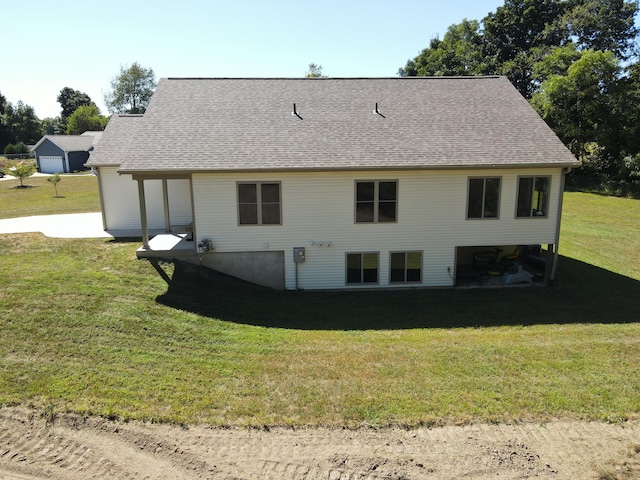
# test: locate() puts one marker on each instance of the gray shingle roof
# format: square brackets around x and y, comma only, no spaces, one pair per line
[116,141]
[247,124]
[69,143]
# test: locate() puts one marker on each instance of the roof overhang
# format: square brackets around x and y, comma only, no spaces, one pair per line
[173,173]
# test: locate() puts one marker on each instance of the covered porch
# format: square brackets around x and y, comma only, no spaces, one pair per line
[505,265]
[163,245]
[175,241]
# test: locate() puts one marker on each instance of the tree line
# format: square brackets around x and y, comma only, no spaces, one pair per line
[130,92]
[576,61]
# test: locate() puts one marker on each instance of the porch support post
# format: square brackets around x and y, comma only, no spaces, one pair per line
[143,215]
[165,199]
[551,258]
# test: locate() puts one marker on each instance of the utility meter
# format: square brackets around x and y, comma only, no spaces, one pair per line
[298,254]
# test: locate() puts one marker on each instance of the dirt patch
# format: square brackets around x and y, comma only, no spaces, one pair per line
[33,446]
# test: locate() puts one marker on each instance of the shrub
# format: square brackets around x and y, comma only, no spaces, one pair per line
[22,147]
[10,149]
[21,170]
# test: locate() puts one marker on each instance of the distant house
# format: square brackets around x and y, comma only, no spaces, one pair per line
[330,183]
[64,153]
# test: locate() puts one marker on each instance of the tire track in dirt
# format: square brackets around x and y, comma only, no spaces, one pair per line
[73,447]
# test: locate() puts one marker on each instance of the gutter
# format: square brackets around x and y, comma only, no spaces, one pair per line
[157,173]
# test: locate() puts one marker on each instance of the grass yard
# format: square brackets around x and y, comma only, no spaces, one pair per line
[88,328]
[79,194]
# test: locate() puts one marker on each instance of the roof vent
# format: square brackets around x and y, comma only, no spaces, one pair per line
[295,112]
[376,111]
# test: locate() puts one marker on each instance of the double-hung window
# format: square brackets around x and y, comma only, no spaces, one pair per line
[362,268]
[484,197]
[376,201]
[406,267]
[259,203]
[533,197]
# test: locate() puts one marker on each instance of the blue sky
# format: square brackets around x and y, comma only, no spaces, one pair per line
[82,44]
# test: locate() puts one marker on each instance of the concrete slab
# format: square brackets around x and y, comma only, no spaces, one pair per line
[74,225]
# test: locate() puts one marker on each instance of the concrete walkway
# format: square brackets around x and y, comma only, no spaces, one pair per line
[74,225]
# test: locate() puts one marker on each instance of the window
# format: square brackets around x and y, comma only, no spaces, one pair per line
[362,268]
[406,267]
[533,197]
[259,203]
[376,201]
[484,198]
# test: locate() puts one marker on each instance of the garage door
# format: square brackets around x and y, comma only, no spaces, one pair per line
[51,164]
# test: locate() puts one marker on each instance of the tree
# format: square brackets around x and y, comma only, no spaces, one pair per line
[53,126]
[55,179]
[460,52]
[21,170]
[314,71]
[582,107]
[70,100]
[131,90]
[606,25]
[23,124]
[567,58]
[511,40]
[556,62]
[10,149]
[5,135]
[86,118]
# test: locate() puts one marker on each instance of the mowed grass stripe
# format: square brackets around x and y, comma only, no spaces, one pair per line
[87,328]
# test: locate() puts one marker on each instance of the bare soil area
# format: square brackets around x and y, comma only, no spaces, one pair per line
[33,447]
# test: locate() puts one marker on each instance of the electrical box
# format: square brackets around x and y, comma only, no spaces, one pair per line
[298,254]
[205,245]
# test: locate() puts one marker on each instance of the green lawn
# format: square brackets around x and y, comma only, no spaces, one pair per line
[88,328]
[77,194]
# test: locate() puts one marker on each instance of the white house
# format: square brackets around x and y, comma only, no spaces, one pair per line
[334,183]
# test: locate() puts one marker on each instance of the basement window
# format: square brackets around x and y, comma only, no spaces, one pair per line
[362,268]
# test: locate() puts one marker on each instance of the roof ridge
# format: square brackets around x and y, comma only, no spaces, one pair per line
[456,77]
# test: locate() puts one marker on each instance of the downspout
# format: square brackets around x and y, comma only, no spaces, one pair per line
[194,233]
[554,265]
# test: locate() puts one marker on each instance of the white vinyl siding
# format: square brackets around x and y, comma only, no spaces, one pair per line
[121,207]
[318,207]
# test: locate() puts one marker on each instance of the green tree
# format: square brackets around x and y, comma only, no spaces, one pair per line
[606,25]
[86,118]
[24,125]
[70,100]
[583,107]
[55,179]
[131,90]
[632,110]
[514,38]
[460,52]
[53,126]
[5,134]
[10,149]
[314,71]
[21,170]
[556,61]
[567,58]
